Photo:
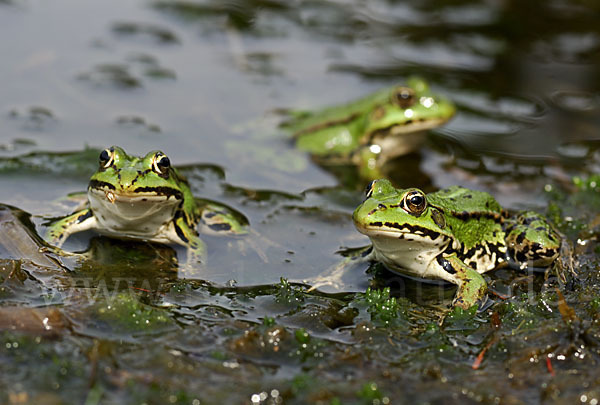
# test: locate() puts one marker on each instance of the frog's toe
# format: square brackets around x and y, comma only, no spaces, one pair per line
[193,268]
[323,282]
[483,303]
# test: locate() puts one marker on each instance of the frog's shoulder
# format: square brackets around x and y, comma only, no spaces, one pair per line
[457,199]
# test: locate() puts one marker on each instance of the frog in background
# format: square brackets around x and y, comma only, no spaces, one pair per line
[372,130]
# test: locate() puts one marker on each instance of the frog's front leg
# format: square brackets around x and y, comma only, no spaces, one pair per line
[188,237]
[367,160]
[333,275]
[471,285]
[79,221]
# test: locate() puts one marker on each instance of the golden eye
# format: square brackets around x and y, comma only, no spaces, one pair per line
[161,164]
[106,158]
[403,97]
[414,202]
[369,189]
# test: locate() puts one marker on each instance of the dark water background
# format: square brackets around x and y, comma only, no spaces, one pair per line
[200,80]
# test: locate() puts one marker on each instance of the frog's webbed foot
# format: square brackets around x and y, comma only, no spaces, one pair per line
[195,263]
[564,266]
[222,220]
[471,288]
[60,230]
[333,275]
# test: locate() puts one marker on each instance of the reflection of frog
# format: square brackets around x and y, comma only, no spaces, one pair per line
[453,234]
[146,199]
[374,129]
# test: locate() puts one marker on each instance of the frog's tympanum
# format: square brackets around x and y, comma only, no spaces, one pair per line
[143,198]
[453,234]
[374,129]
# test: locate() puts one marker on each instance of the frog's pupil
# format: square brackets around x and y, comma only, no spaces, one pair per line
[404,97]
[416,200]
[164,162]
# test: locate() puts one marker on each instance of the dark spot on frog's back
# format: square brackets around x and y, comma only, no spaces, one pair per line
[521,237]
[220,227]
[378,113]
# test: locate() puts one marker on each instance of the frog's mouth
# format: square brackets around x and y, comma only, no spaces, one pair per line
[140,194]
[408,249]
[391,230]
[408,127]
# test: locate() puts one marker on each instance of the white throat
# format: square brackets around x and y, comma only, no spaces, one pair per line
[139,216]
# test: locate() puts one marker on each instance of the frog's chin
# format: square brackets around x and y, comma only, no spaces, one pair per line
[407,251]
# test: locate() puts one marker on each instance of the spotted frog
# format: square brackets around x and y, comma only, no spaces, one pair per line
[145,198]
[371,131]
[453,234]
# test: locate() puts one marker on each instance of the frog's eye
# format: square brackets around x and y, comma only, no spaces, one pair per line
[106,158]
[403,97]
[161,164]
[414,202]
[369,189]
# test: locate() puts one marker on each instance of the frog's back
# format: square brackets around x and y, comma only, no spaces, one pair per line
[336,114]
[462,202]
[475,219]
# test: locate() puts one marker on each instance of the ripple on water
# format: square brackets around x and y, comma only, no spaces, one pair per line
[145,31]
[581,101]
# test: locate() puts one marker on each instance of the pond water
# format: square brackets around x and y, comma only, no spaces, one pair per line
[204,82]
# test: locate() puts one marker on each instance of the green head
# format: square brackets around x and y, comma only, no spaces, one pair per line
[409,108]
[389,212]
[123,174]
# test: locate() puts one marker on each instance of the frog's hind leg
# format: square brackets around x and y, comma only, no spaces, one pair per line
[531,240]
[60,230]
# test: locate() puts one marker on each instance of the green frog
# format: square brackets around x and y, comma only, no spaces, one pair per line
[453,234]
[372,130]
[145,198]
